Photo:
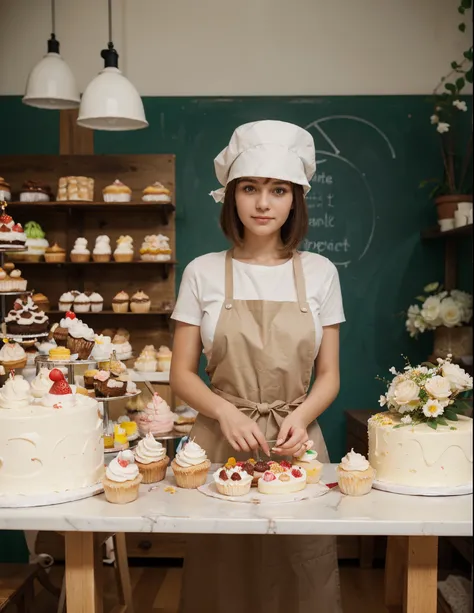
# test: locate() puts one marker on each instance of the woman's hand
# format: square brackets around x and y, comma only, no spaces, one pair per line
[241,431]
[292,436]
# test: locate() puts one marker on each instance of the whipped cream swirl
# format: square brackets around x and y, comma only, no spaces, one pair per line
[149,450]
[190,455]
[354,461]
[122,468]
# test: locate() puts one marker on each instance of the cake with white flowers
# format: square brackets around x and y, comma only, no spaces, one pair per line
[50,439]
[423,440]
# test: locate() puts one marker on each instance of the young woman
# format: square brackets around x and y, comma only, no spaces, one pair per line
[265,315]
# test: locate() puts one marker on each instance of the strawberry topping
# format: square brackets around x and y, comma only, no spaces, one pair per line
[60,386]
[268,476]
[123,463]
[17,228]
[70,315]
[236,477]
[223,475]
[240,464]
[6,219]
[296,473]
[56,375]
[285,464]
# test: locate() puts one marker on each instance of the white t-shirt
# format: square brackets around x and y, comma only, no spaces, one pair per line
[202,291]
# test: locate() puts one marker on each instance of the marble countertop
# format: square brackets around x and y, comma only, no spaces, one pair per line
[189,511]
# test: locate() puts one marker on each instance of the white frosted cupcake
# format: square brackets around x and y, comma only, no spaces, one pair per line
[355,475]
[122,479]
[65,301]
[80,253]
[151,459]
[117,192]
[190,466]
[124,250]
[96,302]
[233,481]
[102,251]
[82,303]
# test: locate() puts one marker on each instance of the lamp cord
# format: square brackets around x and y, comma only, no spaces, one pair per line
[53,18]
[111,44]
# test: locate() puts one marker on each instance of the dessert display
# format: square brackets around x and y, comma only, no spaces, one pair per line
[41,301]
[122,479]
[124,250]
[156,192]
[156,417]
[134,407]
[155,248]
[233,481]
[59,354]
[120,437]
[282,478]
[75,188]
[121,344]
[140,302]
[12,356]
[55,254]
[26,318]
[355,475]
[423,440]
[81,304]
[42,438]
[36,242]
[5,192]
[96,302]
[41,384]
[65,301]
[117,192]
[89,378]
[11,280]
[102,251]
[107,386]
[164,358]
[151,459]
[80,252]
[190,466]
[35,191]
[103,347]
[147,360]
[309,461]
[11,233]
[45,346]
[120,302]
[184,420]
[73,333]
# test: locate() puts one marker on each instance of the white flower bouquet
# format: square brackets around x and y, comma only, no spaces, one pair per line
[427,393]
[439,308]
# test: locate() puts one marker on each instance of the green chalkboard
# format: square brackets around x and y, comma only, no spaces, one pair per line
[365,206]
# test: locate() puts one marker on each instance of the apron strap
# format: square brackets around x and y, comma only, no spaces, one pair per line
[229,279]
[300,283]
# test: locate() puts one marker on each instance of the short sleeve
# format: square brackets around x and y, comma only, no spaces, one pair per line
[332,310]
[188,306]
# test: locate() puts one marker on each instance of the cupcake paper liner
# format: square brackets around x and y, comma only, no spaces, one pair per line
[123,257]
[140,307]
[80,346]
[191,477]
[80,257]
[233,488]
[121,493]
[120,307]
[355,483]
[102,257]
[55,258]
[16,364]
[154,472]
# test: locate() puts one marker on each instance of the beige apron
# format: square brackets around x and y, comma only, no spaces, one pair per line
[262,359]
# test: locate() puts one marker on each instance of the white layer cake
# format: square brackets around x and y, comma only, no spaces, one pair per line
[45,449]
[417,455]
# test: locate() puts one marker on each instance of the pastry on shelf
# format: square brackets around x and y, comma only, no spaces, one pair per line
[140,302]
[122,479]
[41,301]
[190,466]
[120,438]
[156,192]
[11,233]
[81,304]
[71,189]
[185,418]
[18,283]
[122,347]
[103,347]
[62,354]
[35,191]
[120,302]
[117,192]
[134,407]
[147,360]
[43,347]
[80,253]
[97,302]
[5,192]
[36,242]
[26,318]
[164,356]
[5,281]
[66,301]
[102,251]
[155,248]
[55,254]
[156,418]
[80,339]
[12,356]
[107,386]
[124,250]
[59,331]
[128,425]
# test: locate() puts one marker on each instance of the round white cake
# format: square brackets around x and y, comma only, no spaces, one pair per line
[49,444]
[417,455]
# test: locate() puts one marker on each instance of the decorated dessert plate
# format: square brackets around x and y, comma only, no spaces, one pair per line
[255,497]
[408,490]
[112,398]
[46,499]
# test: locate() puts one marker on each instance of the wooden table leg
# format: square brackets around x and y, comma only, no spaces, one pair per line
[422,575]
[80,577]
[395,572]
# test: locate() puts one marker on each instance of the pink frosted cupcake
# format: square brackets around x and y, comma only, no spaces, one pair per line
[355,475]
[157,417]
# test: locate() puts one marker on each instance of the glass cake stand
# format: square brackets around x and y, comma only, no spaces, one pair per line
[43,361]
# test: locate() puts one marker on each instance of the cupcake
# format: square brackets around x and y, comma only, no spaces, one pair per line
[140,302]
[102,250]
[5,192]
[185,418]
[66,301]
[80,252]
[12,356]
[41,384]
[82,304]
[18,284]
[120,302]
[122,346]
[75,188]
[103,347]
[190,466]
[309,461]
[155,248]
[151,459]
[107,387]
[89,378]
[156,192]
[117,192]
[59,354]
[355,475]
[124,250]
[128,425]
[60,330]
[157,417]
[164,358]
[146,361]
[41,301]
[55,254]
[96,302]
[36,242]
[233,481]
[34,191]
[122,479]
[80,339]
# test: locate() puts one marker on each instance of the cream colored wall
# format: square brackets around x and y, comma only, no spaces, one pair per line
[246,47]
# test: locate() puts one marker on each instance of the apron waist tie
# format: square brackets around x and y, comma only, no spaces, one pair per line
[275,411]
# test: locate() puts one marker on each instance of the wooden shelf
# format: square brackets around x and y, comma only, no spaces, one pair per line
[83,205]
[435,233]
[112,313]
[91,263]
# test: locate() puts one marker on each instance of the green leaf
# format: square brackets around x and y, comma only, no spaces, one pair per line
[429,365]
[460,83]
[431,287]
[468,75]
[462,27]
[451,415]
[420,298]
[461,10]
[450,87]
[466,4]
[432,423]
[441,421]
[468,54]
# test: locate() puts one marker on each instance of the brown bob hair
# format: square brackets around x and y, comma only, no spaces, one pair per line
[292,231]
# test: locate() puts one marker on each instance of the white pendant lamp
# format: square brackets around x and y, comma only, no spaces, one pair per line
[51,84]
[110,101]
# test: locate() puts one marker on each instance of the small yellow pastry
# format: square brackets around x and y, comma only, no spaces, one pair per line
[120,436]
[108,441]
[60,353]
[309,461]
[130,427]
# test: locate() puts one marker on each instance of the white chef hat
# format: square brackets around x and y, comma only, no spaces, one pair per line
[273,149]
